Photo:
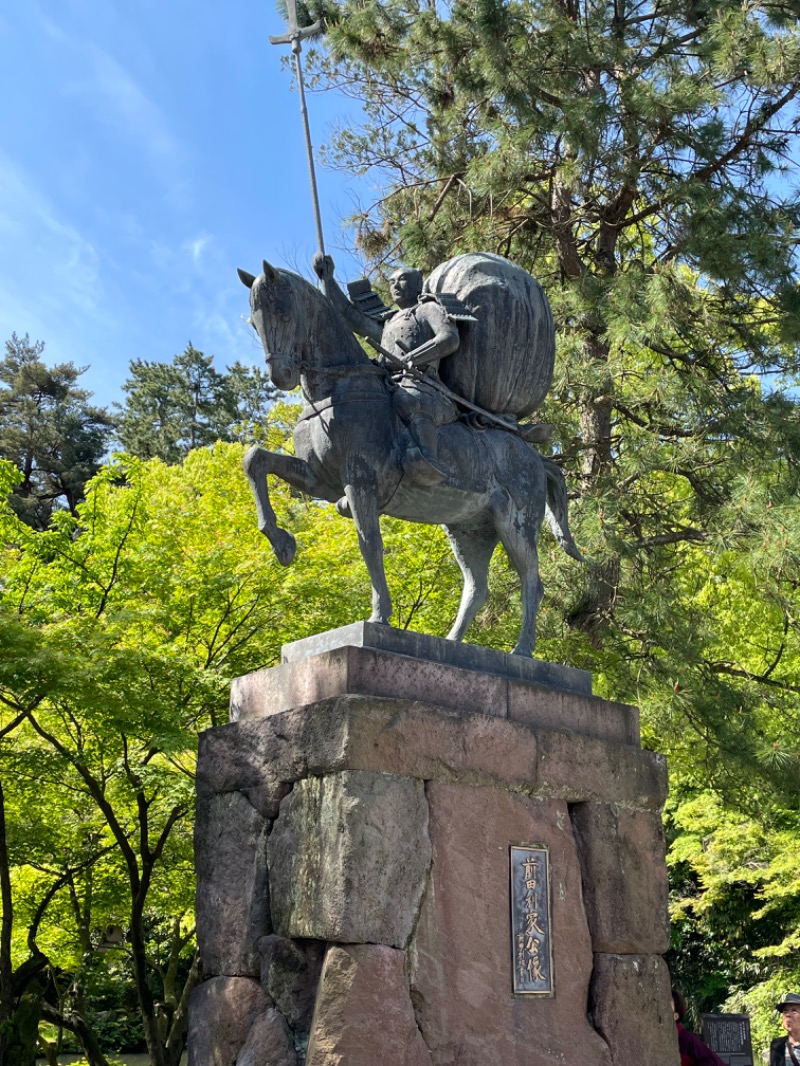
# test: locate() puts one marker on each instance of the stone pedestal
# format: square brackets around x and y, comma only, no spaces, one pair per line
[354,823]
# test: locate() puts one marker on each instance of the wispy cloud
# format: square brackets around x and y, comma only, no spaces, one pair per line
[43,255]
[197,247]
[118,100]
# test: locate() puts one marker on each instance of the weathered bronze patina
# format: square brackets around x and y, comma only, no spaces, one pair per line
[393,437]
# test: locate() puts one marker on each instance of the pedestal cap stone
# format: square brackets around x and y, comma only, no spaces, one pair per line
[426,648]
[517,690]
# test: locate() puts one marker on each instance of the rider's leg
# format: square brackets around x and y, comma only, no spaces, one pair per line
[426,431]
[421,461]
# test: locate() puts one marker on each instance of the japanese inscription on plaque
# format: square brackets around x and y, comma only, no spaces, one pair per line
[531,937]
[729,1036]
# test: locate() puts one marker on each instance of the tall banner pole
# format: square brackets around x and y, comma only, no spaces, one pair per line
[294,38]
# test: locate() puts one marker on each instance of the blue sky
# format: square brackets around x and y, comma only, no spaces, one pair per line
[147,149]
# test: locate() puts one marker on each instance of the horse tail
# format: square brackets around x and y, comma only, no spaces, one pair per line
[556,509]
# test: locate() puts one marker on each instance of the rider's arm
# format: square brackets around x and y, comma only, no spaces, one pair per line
[445,337]
[358,322]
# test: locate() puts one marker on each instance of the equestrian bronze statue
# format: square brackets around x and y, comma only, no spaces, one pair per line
[430,431]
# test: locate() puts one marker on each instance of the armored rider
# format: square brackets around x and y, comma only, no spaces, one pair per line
[419,334]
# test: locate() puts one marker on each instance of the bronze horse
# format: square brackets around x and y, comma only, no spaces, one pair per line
[350,444]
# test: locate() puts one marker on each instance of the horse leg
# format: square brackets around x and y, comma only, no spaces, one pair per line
[258,463]
[518,529]
[473,549]
[361,491]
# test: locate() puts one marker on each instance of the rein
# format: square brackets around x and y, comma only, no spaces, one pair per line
[338,371]
[342,370]
[315,409]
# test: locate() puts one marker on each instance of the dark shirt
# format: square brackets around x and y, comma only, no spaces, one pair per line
[777,1051]
[694,1052]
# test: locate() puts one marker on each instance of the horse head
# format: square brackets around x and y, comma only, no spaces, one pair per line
[275,315]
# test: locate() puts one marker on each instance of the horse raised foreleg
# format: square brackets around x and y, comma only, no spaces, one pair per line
[361,490]
[473,549]
[258,463]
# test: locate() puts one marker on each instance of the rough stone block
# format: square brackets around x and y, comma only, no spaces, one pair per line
[437,744]
[266,756]
[348,856]
[364,1014]
[290,972]
[632,1008]
[269,1042]
[221,1013]
[580,768]
[624,878]
[232,891]
[460,956]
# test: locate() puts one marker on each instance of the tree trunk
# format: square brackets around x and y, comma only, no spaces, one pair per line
[21,1030]
[80,1027]
[6,973]
[176,1041]
[596,409]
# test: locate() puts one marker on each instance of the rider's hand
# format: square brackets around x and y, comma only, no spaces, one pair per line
[323,266]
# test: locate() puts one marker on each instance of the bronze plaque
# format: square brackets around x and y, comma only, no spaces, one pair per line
[531,933]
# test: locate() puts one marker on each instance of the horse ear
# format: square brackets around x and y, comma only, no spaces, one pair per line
[270,273]
[245,278]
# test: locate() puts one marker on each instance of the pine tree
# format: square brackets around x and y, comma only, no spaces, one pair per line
[639,159]
[172,408]
[49,430]
[633,157]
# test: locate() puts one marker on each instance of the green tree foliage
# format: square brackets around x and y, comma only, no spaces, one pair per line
[174,407]
[636,158]
[49,430]
[121,630]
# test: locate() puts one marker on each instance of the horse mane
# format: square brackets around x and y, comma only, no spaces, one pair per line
[327,326]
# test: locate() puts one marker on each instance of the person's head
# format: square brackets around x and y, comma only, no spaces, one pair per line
[789,1010]
[678,1005]
[405,286]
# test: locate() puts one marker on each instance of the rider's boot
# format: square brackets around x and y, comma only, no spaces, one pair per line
[421,461]
[343,507]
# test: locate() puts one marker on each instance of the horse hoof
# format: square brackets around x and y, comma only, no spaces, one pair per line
[284,545]
[523,649]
